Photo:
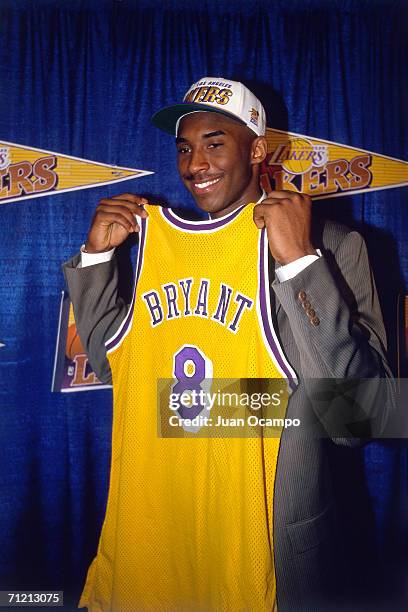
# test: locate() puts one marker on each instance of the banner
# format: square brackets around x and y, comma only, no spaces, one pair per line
[72,371]
[26,172]
[325,169]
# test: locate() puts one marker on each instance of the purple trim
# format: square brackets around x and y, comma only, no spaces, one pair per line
[264,314]
[116,339]
[199,226]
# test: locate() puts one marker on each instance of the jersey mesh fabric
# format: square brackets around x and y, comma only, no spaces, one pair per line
[188,523]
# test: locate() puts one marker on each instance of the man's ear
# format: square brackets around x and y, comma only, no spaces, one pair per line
[258,150]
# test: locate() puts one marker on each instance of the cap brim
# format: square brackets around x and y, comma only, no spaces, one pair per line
[166,118]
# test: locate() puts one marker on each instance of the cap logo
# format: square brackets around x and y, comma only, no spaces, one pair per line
[209,95]
[254,116]
[219,95]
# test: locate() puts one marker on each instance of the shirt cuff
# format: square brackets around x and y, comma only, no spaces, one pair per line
[290,270]
[90,259]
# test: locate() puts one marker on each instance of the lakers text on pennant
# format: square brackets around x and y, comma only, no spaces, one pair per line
[325,169]
[26,172]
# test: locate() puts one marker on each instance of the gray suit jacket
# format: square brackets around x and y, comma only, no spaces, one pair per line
[347,343]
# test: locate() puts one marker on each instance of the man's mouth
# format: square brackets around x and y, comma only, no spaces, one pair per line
[205,186]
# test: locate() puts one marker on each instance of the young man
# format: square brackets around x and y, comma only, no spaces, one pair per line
[198,520]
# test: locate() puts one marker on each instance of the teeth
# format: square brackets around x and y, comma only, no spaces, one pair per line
[206,184]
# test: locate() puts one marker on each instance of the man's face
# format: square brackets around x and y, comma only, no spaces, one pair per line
[217,161]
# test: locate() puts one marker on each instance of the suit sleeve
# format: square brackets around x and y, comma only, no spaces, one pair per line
[98,308]
[343,340]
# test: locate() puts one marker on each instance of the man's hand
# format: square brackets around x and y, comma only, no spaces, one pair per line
[113,221]
[287,217]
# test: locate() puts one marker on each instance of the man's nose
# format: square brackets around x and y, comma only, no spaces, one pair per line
[198,162]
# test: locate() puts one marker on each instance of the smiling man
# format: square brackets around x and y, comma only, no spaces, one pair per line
[198,520]
[218,161]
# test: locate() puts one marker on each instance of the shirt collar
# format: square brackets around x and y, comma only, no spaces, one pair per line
[261,199]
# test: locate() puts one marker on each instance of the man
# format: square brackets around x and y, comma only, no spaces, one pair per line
[196,520]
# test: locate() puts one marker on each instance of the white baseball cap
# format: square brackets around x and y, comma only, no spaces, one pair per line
[216,95]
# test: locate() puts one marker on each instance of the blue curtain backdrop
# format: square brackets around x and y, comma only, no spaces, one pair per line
[83,78]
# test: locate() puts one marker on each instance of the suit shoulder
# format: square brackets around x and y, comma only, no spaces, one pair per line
[328,235]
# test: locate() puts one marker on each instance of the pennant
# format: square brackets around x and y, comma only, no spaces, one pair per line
[26,172]
[72,370]
[325,169]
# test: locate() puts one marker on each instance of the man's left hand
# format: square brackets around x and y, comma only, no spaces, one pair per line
[287,218]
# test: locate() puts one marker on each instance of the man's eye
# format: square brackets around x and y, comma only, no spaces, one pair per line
[183,150]
[214,145]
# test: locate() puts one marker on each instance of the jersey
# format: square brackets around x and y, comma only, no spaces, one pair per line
[188,522]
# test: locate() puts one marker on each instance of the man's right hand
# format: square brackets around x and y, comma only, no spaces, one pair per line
[113,221]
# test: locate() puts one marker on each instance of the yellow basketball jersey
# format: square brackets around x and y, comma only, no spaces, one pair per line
[188,524]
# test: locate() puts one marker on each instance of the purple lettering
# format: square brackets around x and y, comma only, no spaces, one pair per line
[153,303]
[171,296]
[243,302]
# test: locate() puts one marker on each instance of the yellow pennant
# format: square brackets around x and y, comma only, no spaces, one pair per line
[325,169]
[26,172]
